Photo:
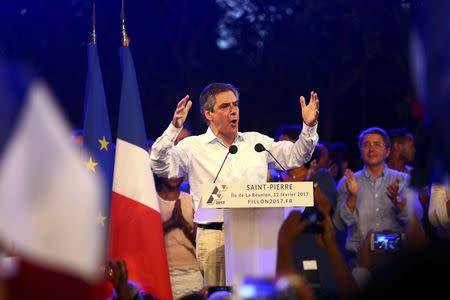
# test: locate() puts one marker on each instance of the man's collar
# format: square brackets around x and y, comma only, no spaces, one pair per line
[369,175]
[210,137]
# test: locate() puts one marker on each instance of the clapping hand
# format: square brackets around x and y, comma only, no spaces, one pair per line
[350,182]
[392,191]
[175,218]
[117,274]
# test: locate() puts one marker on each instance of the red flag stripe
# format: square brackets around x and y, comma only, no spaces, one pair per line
[136,236]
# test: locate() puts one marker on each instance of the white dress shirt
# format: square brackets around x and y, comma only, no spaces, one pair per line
[198,158]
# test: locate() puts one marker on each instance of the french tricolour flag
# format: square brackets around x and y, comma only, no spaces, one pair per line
[49,201]
[136,233]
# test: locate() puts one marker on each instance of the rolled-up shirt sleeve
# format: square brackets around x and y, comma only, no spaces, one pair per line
[166,159]
[296,154]
[343,213]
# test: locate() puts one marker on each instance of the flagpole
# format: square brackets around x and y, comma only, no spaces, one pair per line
[125,38]
[93,35]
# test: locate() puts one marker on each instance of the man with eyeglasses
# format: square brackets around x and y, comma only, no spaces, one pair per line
[199,158]
[374,198]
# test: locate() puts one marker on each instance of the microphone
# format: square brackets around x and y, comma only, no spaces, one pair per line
[233,149]
[260,148]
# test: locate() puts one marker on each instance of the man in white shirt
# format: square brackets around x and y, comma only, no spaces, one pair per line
[199,158]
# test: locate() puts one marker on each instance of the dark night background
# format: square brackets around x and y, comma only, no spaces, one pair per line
[353,53]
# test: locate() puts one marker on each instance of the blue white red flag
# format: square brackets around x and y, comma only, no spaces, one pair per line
[136,233]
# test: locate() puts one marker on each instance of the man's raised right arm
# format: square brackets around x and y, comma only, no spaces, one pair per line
[160,157]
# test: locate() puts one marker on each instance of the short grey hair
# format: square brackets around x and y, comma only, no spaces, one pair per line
[374,130]
[207,97]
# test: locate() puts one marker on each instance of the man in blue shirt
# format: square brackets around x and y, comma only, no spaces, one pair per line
[374,198]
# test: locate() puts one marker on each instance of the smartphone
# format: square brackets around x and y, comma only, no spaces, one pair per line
[386,241]
[315,220]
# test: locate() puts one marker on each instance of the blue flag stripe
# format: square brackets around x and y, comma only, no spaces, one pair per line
[131,126]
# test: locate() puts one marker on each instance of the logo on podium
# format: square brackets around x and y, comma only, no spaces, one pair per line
[217,193]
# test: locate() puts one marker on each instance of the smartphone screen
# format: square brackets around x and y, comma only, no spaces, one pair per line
[385,241]
[256,288]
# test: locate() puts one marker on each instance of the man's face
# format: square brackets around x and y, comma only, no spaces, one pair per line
[224,119]
[408,150]
[373,150]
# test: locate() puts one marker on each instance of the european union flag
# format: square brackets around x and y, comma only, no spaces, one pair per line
[97,133]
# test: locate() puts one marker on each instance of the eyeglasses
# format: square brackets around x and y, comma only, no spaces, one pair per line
[375,145]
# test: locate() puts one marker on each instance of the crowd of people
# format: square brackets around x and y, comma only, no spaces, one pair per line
[368,218]
[354,205]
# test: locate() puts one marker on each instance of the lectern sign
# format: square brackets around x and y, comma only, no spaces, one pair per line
[270,194]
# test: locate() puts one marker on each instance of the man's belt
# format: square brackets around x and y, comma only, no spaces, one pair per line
[212,226]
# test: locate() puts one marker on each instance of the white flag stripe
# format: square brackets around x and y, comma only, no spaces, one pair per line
[49,202]
[132,160]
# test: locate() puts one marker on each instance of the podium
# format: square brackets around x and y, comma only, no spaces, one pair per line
[253,214]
